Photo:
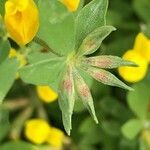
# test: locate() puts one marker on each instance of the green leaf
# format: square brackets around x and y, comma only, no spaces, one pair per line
[4,122]
[111,127]
[93,40]
[105,77]
[18,122]
[67,99]
[89,18]
[43,70]
[4,49]
[117,110]
[89,135]
[144,145]
[139,100]
[142,8]
[84,94]
[8,70]
[2,6]
[18,146]
[132,128]
[107,62]
[57,26]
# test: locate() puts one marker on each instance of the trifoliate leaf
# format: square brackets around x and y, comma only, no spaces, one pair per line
[43,70]
[57,27]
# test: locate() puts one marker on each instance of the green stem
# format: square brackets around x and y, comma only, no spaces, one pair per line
[45,45]
[19,122]
[38,105]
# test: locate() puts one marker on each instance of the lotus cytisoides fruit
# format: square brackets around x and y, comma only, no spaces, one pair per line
[63,71]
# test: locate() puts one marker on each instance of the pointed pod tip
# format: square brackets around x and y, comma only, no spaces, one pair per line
[69,132]
[129,88]
[112,28]
[132,64]
[96,121]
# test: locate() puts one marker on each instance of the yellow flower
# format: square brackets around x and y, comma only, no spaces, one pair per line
[12,53]
[21,20]
[142,45]
[21,58]
[37,130]
[146,136]
[72,5]
[134,74]
[55,138]
[46,94]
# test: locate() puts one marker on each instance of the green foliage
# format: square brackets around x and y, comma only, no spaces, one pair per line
[44,69]
[132,128]
[57,26]
[4,49]
[142,8]
[2,2]
[139,102]
[8,70]
[18,145]
[4,122]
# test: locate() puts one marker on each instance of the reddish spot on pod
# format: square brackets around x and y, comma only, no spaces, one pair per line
[67,84]
[101,76]
[103,63]
[84,91]
[90,45]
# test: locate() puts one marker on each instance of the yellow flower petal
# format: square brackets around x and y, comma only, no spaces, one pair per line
[72,5]
[37,130]
[55,138]
[46,94]
[21,20]
[142,45]
[12,53]
[134,74]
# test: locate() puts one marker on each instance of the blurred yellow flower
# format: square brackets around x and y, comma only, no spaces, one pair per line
[12,53]
[55,138]
[134,74]
[72,5]
[142,45]
[37,130]
[21,20]
[146,136]
[46,94]
[21,58]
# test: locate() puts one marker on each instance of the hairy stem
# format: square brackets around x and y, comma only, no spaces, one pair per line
[45,45]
